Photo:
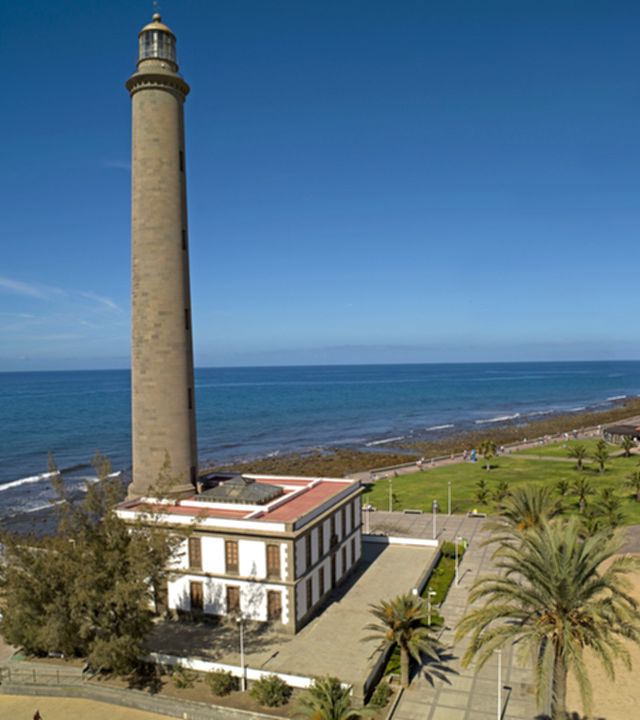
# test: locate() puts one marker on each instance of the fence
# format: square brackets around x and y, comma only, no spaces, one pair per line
[25,679]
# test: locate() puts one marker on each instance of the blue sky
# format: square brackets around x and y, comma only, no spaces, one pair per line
[368,181]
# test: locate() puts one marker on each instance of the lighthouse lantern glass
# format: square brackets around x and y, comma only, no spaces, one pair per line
[157,44]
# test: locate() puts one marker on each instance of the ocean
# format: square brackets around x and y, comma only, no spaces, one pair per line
[252,412]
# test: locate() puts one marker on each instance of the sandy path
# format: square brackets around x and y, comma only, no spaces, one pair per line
[19,707]
[618,699]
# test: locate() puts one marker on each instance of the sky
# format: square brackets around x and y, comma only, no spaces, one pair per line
[368,181]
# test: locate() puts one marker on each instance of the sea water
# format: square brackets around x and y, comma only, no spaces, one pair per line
[251,412]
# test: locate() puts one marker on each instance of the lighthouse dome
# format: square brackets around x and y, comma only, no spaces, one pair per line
[156,40]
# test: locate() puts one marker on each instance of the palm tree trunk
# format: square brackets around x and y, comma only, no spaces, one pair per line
[582,504]
[559,688]
[404,667]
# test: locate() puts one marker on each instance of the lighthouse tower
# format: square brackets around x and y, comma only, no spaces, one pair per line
[162,392]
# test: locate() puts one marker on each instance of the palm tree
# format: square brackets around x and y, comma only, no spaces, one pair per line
[582,488]
[601,454]
[327,699]
[501,493]
[562,487]
[553,599]
[627,444]
[579,453]
[402,622]
[633,481]
[527,507]
[606,515]
[482,491]
[488,450]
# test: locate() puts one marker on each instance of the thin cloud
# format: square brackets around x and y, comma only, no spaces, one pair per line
[100,299]
[118,164]
[17,287]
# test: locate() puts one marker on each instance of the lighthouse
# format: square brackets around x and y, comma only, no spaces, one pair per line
[162,378]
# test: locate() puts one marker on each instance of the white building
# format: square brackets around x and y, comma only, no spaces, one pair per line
[269,548]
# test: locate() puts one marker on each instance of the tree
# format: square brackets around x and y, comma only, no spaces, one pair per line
[85,591]
[579,453]
[327,699]
[633,481]
[501,492]
[552,598]
[605,516]
[482,491]
[601,454]
[527,507]
[402,622]
[582,488]
[488,450]
[627,444]
[562,487]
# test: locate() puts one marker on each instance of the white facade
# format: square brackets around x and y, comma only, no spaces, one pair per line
[277,562]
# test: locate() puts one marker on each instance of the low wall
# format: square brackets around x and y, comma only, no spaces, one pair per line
[207,666]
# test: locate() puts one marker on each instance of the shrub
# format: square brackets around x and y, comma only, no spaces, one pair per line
[184,678]
[449,549]
[381,695]
[271,691]
[222,682]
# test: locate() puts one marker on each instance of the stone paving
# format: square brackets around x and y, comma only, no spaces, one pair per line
[466,694]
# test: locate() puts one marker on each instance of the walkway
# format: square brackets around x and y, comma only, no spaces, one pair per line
[467,694]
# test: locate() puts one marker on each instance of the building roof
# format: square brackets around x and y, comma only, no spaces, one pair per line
[251,502]
[623,430]
[156,24]
[241,489]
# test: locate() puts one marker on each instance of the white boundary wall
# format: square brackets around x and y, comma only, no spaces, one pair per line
[390,540]
[200,665]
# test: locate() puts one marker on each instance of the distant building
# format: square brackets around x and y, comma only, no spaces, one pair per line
[269,548]
[615,433]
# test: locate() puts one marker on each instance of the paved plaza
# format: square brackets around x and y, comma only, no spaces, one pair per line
[330,644]
[465,694]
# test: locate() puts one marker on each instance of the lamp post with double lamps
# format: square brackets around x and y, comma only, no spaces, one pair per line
[449,497]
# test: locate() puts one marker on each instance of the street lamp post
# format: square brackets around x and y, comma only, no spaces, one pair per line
[243,679]
[499,715]
[430,594]
[449,496]
[457,541]
[434,507]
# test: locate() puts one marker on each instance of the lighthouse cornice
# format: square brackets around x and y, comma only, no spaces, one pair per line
[157,80]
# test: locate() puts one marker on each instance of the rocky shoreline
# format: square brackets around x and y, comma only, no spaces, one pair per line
[338,462]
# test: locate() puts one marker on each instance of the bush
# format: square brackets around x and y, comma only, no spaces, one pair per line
[381,695]
[184,678]
[271,691]
[449,550]
[222,682]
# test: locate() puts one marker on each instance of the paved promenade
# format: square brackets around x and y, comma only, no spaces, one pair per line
[467,694]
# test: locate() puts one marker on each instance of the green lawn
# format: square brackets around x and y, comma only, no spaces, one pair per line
[418,490]
[561,449]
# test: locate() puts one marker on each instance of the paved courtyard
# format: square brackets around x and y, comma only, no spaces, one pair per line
[466,694]
[329,644]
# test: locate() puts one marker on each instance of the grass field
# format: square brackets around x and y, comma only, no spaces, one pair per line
[561,449]
[418,490]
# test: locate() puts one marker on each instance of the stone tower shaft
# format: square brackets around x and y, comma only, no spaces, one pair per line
[162,377]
